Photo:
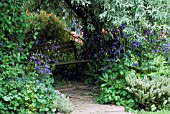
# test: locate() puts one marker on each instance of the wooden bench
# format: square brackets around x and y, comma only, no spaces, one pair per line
[67,48]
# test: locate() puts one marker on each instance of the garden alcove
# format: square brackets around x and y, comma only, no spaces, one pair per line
[128,41]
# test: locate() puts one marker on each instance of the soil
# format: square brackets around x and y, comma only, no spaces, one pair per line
[83,97]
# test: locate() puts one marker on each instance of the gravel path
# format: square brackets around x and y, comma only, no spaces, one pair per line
[82,97]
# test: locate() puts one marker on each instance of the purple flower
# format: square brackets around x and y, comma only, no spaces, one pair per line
[41,71]
[122,35]
[35,54]
[116,37]
[69,28]
[125,56]
[37,41]
[79,29]
[95,55]
[31,58]
[0,44]
[122,26]
[39,62]
[116,57]
[37,67]
[56,47]
[121,47]
[115,31]
[139,54]
[56,61]
[73,24]
[20,49]
[108,60]
[53,47]
[115,43]
[153,50]
[155,33]
[135,64]
[115,52]
[53,60]
[0,56]
[148,32]
[166,49]
[144,32]
[46,70]
[136,44]
[9,53]
[45,48]
[105,68]
[35,62]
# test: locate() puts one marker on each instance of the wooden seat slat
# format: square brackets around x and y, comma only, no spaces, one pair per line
[72,62]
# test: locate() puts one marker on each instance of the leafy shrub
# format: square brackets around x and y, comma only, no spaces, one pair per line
[28,95]
[49,26]
[150,65]
[150,94]
[113,87]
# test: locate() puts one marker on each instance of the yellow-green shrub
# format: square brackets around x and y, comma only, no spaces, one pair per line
[50,27]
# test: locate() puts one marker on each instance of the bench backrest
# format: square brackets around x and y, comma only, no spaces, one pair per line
[55,49]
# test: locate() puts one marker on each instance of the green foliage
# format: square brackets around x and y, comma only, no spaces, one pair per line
[149,65]
[49,27]
[29,95]
[152,94]
[13,24]
[157,112]
[113,87]
[148,81]
[22,91]
[91,73]
[62,103]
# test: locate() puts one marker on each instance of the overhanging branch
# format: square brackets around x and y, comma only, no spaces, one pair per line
[80,11]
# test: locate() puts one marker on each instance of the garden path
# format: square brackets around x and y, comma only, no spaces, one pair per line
[82,97]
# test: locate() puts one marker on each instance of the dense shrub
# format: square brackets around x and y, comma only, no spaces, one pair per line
[49,27]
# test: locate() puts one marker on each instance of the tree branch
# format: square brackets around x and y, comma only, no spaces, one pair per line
[80,11]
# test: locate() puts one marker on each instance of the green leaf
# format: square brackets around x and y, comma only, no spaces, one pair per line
[6,98]
[1,4]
